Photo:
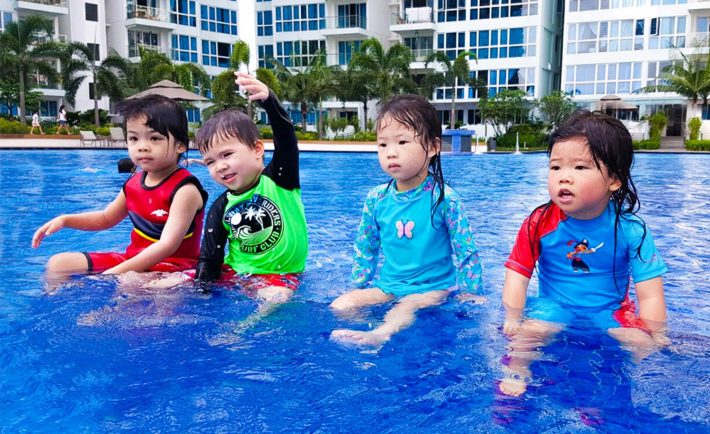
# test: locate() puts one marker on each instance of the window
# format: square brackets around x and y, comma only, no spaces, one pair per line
[214,19]
[346,49]
[667,32]
[595,5]
[514,78]
[421,46]
[136,40]
[300,18]
[5,18]
[603,79]
[216,53]
[452,43]
[266,52]
[193,115]
[48,109]
[491,9]
[504,43]
[92,12]
[298,53]
[184,48]
[264,23]
[605,36]
[352,15]
[183,12]
[96,50]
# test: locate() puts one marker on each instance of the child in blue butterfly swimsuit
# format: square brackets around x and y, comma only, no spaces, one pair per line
[418,222]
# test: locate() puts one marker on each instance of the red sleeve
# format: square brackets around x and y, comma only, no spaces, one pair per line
[526,250]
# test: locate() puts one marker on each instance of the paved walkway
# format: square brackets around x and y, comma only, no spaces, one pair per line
[672,144]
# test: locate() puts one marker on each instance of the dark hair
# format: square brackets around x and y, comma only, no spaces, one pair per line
[61,107]
[419,115]
[227,124]
[161,113]
[610,144]
[126,165]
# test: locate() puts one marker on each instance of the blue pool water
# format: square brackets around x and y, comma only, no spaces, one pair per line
[167,361]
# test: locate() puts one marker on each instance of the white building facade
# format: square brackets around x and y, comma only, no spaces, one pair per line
[589,48]
[618,47]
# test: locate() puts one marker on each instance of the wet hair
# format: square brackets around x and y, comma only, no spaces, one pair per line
[227,124]
[610,144]
[126,165]
[161,113]
[418,114]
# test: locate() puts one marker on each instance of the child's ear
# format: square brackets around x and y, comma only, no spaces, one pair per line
[435,147]
[615,185]
[259,148]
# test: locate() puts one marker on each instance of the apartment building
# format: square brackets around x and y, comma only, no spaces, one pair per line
[590,48]
[615,48]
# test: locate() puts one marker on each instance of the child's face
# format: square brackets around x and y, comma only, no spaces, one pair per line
[233,164]
[575,183]
[401,154]
[150,150]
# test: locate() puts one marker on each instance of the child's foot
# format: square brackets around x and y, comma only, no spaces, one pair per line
[515,383]
[358,338]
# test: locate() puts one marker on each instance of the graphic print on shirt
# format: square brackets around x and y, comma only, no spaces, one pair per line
[404,229]
[580,248]
[256,223]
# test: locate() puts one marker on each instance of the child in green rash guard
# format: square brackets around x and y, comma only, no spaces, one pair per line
[260,218]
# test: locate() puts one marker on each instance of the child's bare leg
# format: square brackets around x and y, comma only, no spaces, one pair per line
[358,298]
[401,316]
[523,347]
[274,294]
[639,343]
[61,266]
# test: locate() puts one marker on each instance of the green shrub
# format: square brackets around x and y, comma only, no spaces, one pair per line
[694,126]
[13,127]
[306,136]
[657,122]
[649,144]
[531,135]
[265,131]
[697,145]
[365,136]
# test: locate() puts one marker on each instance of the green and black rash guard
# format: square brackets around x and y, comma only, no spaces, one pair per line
[264,228]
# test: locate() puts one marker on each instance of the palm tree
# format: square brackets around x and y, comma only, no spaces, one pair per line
[107,76]
[224,89]
[21,42]
[389,69]
[155,66]
[455,73]
[306,87]
[688,76]
[352,84]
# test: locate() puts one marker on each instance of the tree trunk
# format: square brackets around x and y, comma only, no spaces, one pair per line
[22,95]
[96,105]
[304,113]
[364,114]
[320,119]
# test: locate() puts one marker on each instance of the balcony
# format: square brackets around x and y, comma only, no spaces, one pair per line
[148,17]
[346,26]
[45,7]
[413,20]
[695,6]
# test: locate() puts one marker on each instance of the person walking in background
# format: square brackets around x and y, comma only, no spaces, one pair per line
[62,118]
[35,123]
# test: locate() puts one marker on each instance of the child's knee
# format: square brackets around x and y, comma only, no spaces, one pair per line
[67,262]
[344,302]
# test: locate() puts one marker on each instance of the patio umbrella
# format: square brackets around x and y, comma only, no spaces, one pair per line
[170,89]
[615,103]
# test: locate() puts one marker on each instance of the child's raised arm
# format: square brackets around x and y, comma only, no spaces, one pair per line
[186,202]
[107,218]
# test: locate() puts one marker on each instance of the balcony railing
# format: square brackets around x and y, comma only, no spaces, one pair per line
[145,12]
[346,22]
[61,3]
[421,54]
[413,16]
[134,50]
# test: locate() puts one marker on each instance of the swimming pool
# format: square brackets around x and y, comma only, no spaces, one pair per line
[168,362]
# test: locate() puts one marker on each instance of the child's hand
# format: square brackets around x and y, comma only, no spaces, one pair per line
[660,338]
[253,87]
[47,229]
[511,326]
[467,297]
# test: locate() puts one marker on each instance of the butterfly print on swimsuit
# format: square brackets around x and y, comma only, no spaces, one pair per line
[404,229]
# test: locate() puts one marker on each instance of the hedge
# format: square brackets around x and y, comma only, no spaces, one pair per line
[697,145]
[648,144]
